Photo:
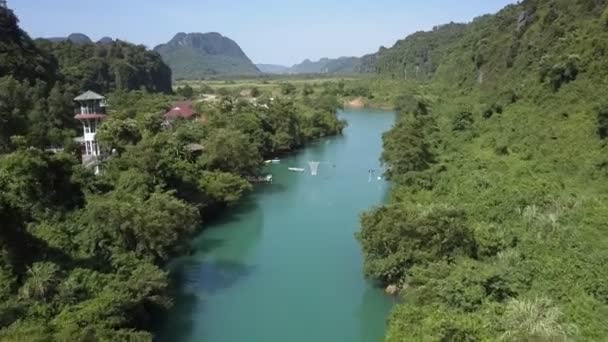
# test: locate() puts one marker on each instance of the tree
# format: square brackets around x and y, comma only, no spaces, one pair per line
[398,237]
[462,121]
[287,88]
[229,150]
[224,187]
[406,149]
[118,134]
[186,91]
[151,227]
[308,90]
[41,283]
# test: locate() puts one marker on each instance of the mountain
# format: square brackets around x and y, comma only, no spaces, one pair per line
[19,55]
[107,67]
[196,55]
[76,38]
[272,68]
[418,55]
[342,65]
[105,41]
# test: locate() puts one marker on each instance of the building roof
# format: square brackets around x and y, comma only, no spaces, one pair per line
[88,96]
[182,110]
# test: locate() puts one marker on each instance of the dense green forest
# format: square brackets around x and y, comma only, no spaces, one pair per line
[332,66]
[81,255]
[496,226]
[105,67]
[39,79]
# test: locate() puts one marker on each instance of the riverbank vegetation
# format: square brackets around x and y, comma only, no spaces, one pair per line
[81,255]
[495,229]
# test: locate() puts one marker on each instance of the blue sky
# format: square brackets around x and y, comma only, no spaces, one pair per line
[269,31]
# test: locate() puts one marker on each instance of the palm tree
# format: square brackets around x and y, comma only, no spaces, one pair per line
[41,281]
[535,320]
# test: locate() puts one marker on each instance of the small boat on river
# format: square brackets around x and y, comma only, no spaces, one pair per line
[261,179]
[296,169]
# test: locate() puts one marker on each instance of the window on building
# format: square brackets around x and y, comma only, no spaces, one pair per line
[93,128]
[87,128]
[87,146]
[94,149]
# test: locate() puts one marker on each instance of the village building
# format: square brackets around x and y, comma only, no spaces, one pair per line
[181,110]
[91,112]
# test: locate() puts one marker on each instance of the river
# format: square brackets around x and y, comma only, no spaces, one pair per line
[284,265]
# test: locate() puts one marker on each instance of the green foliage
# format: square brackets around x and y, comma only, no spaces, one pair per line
[538,319]
[107,67]
[463,121]
[407,148]
[342,65]
[19,56]
[602,121]
[287,88]
[416,57]
[529,179]
[559,73]
[308,90]
[185,91]
[224,187]
[398,237]
[81,255]
[231,151]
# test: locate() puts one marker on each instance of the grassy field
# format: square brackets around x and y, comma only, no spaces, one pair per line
[270,85]
[372,91]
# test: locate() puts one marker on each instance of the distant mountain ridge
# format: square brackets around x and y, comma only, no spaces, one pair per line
[273,68]
[76,38]
[196,55]
[342,65]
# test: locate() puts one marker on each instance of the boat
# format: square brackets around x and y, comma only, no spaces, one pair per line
[261,179]
[296,169]
[275,161]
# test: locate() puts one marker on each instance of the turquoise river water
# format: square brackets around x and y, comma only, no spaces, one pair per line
[284,265]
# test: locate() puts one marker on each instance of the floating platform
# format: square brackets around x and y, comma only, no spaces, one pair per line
[296,169]
[264,179]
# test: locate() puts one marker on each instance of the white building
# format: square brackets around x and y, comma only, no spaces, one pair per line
[92,110]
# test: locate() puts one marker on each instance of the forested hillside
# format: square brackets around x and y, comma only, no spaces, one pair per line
[415,57]
[81,255]
[496,227]
[342,65]
[104,67]
[38,81]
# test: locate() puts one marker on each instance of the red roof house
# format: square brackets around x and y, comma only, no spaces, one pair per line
[181,110]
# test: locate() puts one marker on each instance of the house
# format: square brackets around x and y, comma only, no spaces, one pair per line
[91,112]
[181,110]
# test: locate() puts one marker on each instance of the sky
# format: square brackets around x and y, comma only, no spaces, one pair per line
[269,31]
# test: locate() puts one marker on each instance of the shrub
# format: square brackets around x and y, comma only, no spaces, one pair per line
[401,236]
[602,121]
[287,88]
[463,121]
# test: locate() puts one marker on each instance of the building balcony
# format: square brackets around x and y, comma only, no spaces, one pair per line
[90,160]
